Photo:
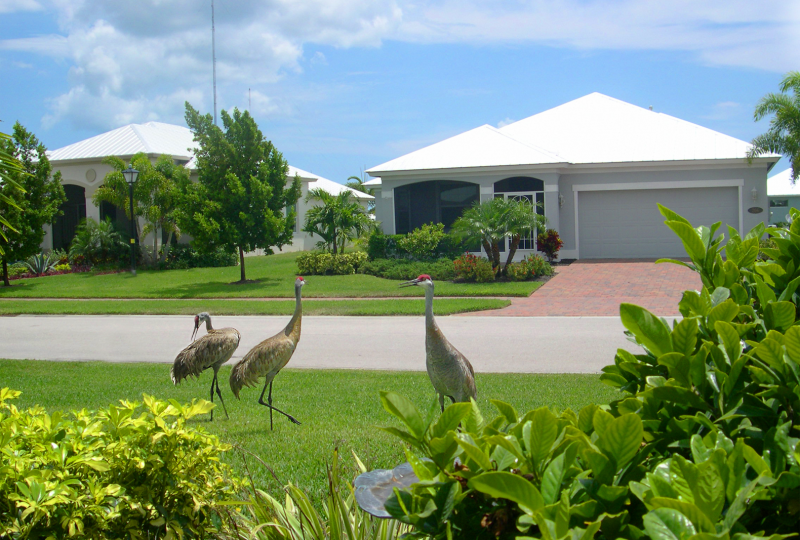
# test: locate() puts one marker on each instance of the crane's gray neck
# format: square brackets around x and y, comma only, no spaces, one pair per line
[208,324]
[429,321]
[298,308]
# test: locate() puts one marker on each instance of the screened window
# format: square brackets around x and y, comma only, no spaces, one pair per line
[778,203]
[436,201]
[522,187]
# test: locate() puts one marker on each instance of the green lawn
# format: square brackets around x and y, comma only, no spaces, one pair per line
[274,274]
[411,306]
[336,408]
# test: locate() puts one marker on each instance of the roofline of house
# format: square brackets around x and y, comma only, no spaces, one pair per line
[77,161]
[567,168]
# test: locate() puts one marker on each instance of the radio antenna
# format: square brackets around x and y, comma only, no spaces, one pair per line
[214,61]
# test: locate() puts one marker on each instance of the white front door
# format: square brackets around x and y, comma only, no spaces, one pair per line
[527,244]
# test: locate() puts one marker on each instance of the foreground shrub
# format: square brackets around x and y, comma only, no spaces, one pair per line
[397,246]
[323,263]
[421,243]
[131,470]
[549,243]
[702,445]
[405,269]
[469,267]
[531,267]
[183,256]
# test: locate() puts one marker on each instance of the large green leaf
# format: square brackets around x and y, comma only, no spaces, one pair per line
[452,416]
[622,439]
[508,412]
[668,524]
[555,473]
[649,330]
[684,336]
[690,510]
[540,434]
[509,486]
[690,239]
[476,454]
[729,338]
[405,411]
[779,315]
[792,343]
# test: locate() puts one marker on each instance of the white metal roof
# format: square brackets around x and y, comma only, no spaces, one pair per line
[592,129]
[375,182]
[157,138]
[781,185]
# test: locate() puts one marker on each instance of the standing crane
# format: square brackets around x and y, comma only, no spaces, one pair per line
[450,372]
[270,356]
[210,351]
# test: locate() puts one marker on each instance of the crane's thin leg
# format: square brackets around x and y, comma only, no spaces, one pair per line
[271,408]
[212,394]
[441,401]
[220,397]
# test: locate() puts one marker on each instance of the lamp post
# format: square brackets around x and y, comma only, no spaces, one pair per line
[131,175]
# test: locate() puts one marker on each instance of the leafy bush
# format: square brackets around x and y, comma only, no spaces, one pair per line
[549,243]
[60,256]
[469,267]
[183,256]
[531,267]
[131,470]
[421,243]
[17,269]
[381,246]
[40,264]
[702,445]
[97,243]
[322,263]
[405,269]
[62,268]
[484,273]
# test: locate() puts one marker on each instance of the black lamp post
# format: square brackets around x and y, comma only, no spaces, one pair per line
[131,175]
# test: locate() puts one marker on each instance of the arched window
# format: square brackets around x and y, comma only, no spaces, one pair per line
[522,187]
[435,201]
[74,211]
[518,184]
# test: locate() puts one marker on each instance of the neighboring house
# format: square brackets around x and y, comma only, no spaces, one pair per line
[597,166]
[783,194]
[83,171]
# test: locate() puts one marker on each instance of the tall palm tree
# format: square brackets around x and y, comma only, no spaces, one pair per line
[783,136]
[358,184]
[8,165]
[521,220]
[485,222]
[337,219]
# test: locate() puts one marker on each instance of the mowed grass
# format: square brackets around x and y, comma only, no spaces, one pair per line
[274,277]
[413,306]
[337,408]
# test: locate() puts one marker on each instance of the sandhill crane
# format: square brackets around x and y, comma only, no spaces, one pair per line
[270,356]
[450,372]
[210,351]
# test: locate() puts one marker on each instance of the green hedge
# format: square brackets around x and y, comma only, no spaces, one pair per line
[183,256]
[405,269]
[382,246]
[134,470]
[322,263]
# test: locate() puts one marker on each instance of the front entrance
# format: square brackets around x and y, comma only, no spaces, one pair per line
[74,211]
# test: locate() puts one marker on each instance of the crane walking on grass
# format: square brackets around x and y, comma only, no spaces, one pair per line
[450,372]
[270,356]
[210,351]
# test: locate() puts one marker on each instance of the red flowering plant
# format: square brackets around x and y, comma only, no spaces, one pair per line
[549,243]
[466,266]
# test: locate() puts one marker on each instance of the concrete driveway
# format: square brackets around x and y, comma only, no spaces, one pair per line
[597,287]
[493,344]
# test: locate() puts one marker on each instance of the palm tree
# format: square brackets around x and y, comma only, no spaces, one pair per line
[337,219]
[486,223]
[358,184]
[8,165]
[783,136]
[522,220]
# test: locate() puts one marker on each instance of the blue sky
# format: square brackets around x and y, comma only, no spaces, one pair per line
[340,85]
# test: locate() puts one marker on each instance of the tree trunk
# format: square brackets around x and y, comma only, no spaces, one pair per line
[155,248]
[512,250]
[495,255]
[335,243]
[487,247]
[167,246]
[6,282]
[241,262]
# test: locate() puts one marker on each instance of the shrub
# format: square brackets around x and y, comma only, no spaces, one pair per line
[183,256]
[382,246]
[17,269]
[97,243]
[60,256]
[62,268]
[530,267]
[442,269]
[131,470]
[469,267]
[484,273]
[421,243]
[702,444]
[323,263]
[549,243]
[40,264]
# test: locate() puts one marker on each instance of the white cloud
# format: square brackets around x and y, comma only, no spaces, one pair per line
[318,59]
[11,6]
[504,123]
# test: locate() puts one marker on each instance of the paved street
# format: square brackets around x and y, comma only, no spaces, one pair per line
[493,344]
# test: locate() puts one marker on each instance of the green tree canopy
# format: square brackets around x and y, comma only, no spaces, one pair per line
[337,219]
[29,197]
[240,200]
[155,194]
[783,135]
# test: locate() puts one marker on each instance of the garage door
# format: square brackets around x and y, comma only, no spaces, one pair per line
[627,224]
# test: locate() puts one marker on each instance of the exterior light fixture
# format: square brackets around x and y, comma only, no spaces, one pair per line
[131,175]
[560,200]
[754,194]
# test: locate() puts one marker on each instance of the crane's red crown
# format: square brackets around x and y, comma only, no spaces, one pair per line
[423,277]
[300,278]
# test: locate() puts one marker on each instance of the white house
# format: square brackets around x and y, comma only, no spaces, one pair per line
[83,171]
[597,166]
[783,194]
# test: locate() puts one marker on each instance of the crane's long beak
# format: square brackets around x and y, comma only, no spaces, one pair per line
[409,283]
[196,326]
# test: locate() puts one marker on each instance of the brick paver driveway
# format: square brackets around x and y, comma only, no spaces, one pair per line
[598,287]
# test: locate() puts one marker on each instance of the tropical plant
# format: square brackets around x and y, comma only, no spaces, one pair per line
[155,194]
[522,220]
[297,518]
[241,193]
[41,263]
[388,246]
[422,242]
[25,211]
[97,243]
[404,269]
[703,443]
[337,219]
[358,183]
[132,470]
[783,135]
[549,243]
[322,263]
